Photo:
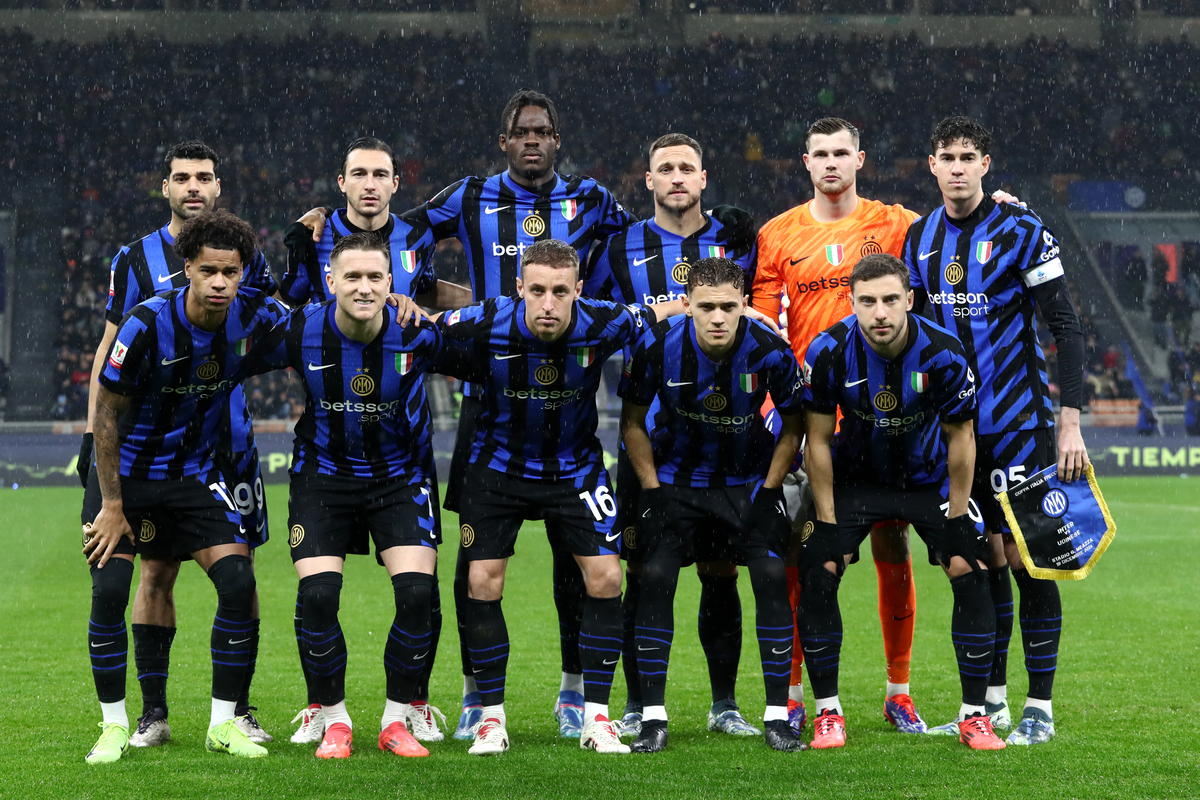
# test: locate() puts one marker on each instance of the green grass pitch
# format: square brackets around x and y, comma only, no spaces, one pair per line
[1125,699]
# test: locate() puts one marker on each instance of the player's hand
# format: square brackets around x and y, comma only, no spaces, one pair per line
[314,220]
[1072,453]
[1001,196]
[768,514]
[407,310]
[773,324]
[101,538]
[738,226]
[964,538]
[821,544]
[84,464]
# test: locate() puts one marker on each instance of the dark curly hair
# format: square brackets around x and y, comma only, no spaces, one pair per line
[191,150]
[219,230]
[716,272]
[526,97]
[951,129]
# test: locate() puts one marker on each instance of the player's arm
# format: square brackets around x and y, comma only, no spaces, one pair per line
[314,219]
[637,443]
[818,461]
[766,290]
[960,462]
[444,296]
[296,287]
[110,332]
[786,447]
[110,524]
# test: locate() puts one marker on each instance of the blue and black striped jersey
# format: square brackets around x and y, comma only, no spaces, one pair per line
[979,273]
[411,244]
[150,266]
[646,264]
[891,432]
[710,430]
[539,398]
[365,415]
[179,379]
[496,219]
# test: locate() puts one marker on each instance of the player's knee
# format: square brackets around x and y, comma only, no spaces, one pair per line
[889,543]
[233,578]
[414,593]
[110,586]
[158,576]
[322,594]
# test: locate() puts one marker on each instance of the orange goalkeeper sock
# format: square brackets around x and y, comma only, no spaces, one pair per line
[793,584]
[897,610]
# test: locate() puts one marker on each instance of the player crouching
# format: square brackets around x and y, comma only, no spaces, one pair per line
[901,383]
[719,476]
[363,461]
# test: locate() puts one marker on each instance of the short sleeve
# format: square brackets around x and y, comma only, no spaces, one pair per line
[643,374]
[123,293]
[817,377]
[1042,264]
[956,387]
[783,381]
[131,355]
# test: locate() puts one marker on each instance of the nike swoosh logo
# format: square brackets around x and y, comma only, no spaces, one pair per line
[314,368]
[609,537]
[796,261]
[476,671]
[506,358]
[165,362]
[900,619]
[673,384]
[494,209]
[645,513]
[1039,644]
[645,649]
[637,262]
[817,649]
[848,384]
[260,527]
[976,655]
[418,658]
[610,663]
[102,644]
[165,278]
[781,652]
[317,655]
[243,641]
[924,256]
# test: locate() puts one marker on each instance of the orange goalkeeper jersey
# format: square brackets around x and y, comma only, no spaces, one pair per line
[814,260]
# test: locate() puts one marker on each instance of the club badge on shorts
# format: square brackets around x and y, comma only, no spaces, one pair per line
[1061,529]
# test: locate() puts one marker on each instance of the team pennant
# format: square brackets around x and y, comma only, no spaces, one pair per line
[920,381]
[242,347]
[569,209]
[585,356]
[748,381]
[1061,529]
[834,253]
[716,252]
[408,260]
[404,362]
[983,251]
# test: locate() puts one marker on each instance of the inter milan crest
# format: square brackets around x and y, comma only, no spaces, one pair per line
[885,401]
[870,247]
[147,532]
[207,371]
[715,402]
[679,273]
[953,273]
[296,535]
[362,384]
[466,535]
[534,225]
[546,373]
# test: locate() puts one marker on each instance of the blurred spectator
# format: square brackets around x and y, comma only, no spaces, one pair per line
[1160,311]
[1191,412]
[1181,310]
[1159,269]
[1131,281]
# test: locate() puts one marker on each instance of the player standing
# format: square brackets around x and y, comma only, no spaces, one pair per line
[164,391]
[649,262]
[900,383]
[141,270]
[363,461]
[368,179]
[805,256]
[716,479]
[984,268]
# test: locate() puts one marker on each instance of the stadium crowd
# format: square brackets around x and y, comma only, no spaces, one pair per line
[282,113]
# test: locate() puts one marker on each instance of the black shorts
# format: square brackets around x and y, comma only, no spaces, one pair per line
[495,504]
[171,518]
[244,479]
[629,494]
[860,507]
[460,460]
[708,525]
[333,515]
[1002,460]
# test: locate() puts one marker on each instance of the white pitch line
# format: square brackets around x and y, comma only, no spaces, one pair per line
[1158,506]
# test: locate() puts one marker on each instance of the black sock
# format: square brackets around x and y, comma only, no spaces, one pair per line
[421,692]
[233,578]
[773,623]
[569,594]
[656,627]
[600,646]
[629,663]
[973,631]
[486,642]
[1002,600]
[298,623]
[819,624]
[720,628]
[243,703]
[324,644]
[108,640]
[461,575]
[152,654]
[1041,628]
[408,643]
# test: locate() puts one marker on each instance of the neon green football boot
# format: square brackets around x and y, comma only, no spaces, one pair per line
[113,741]
[228,738]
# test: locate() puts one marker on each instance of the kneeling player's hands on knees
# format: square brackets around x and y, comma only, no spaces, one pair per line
[102,536]
[822,545]
[768,514]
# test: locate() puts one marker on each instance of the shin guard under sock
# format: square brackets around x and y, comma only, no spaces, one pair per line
[656,627]
[487,648]
[1041,629]
[973,631]
[152,654]
[421,692]
[773,622]
[408,643]
[629,661]
[720,627]
[819,620]
[599,647]
[569,594]
[897,614]
[108,639]
[1002,600]
[324,643]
